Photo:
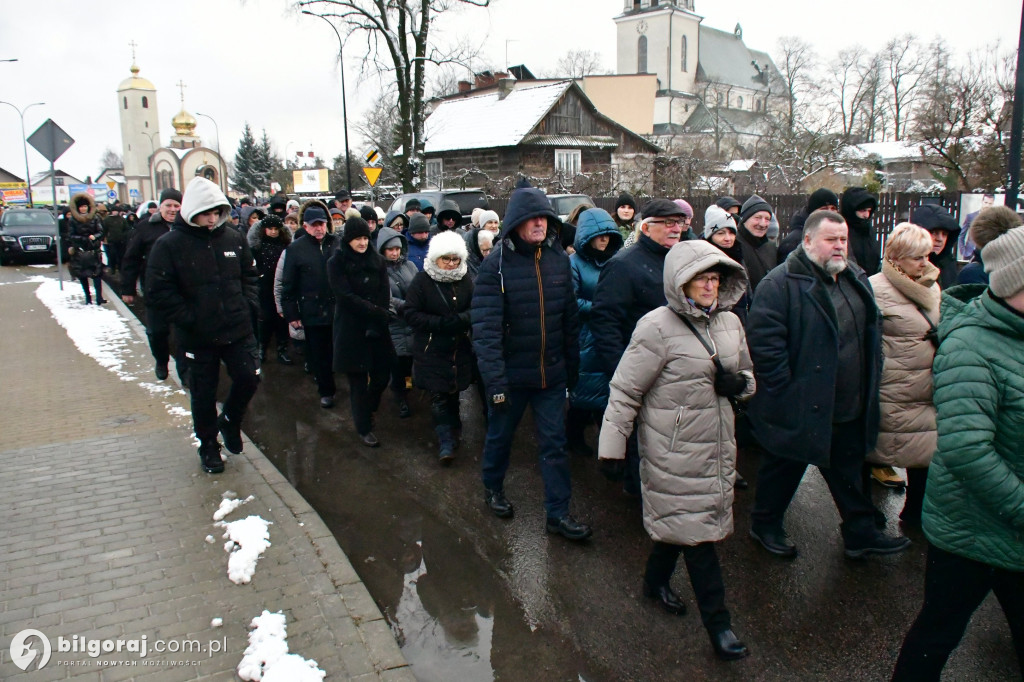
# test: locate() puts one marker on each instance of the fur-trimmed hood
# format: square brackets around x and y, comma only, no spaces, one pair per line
[74,207]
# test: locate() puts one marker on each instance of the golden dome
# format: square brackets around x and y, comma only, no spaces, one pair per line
[135,82]
[184,124]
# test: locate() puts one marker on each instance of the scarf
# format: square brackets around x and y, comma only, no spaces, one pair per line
[924,292]
[439,275]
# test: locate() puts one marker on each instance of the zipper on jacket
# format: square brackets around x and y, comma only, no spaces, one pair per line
[543,326]
[675,431]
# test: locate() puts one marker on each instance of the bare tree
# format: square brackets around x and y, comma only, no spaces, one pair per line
[903,66]
[853,76]
[795,59]
[110,159]
[398,42]
[578,63]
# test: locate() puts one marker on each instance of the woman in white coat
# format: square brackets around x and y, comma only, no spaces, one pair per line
[686,362]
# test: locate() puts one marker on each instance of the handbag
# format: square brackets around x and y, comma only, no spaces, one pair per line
[737,406]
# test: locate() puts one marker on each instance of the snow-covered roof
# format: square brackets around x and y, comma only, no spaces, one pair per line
[486,121]
[740,165]
[888,151]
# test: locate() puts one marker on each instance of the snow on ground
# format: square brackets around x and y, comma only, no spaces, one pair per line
[266,659]
[247,539]
[228,505]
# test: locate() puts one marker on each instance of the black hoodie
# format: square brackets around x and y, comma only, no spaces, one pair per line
[932,217]
[864,247]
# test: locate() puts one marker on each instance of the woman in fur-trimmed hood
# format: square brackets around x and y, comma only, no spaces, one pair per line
[85,240]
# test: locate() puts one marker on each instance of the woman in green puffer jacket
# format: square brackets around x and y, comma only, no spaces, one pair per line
[974,499]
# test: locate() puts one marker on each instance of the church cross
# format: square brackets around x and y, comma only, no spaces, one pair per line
[181,86]
[133,45]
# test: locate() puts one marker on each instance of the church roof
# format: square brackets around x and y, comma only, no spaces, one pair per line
[702,120]
[724,58]
[135,82]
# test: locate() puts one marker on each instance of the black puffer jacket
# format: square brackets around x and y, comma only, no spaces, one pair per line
[306,293]
[362,294]
[630,286]
[864,247]
[133,265]
[205,282]
[439,314]
[525,318]
[267,252]
[931,218]
[85,238]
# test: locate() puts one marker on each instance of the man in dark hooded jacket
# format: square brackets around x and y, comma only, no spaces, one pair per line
[945,231]
[449,218]
[526,338]
[858,205]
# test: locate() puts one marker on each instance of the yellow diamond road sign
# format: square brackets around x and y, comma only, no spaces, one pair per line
[372,156]
[372,174]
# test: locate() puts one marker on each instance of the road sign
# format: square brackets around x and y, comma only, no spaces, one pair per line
[133,193]
[112,195]
[372,157]
[50,140]
[111,184]
[372,174]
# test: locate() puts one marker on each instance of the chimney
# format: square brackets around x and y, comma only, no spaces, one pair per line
[505,86]
[465,86]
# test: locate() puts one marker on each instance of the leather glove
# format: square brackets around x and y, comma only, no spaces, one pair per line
[451,324]
[612,469]
[730,384]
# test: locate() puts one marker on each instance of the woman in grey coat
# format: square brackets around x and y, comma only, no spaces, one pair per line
[685,364]
[393,246]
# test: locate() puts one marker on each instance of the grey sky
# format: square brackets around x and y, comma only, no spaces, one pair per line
[259,61]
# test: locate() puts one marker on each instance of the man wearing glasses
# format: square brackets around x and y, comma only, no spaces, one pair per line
[630,287]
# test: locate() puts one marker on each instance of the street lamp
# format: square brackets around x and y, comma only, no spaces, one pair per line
[24,144]
[344,108]
[220,159]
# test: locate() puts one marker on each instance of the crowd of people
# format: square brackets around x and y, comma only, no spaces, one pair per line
[676,348]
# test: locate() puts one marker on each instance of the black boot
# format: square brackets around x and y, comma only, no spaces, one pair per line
[447,444]
[667,597]
[727,646]
[282,355]
[403,409]
[231,432]
[210,459]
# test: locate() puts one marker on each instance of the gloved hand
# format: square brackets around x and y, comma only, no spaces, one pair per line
[730,384]
[451,324]
[499,403]
[372,334]
[612,469]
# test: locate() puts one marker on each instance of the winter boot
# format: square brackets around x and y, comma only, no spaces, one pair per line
[447,444]
[210,458]
[403,409]
[231,432]
[263,355]
[282,355]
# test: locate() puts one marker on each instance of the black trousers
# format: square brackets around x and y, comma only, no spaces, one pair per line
[778,479]
[954,587]
[242,360]
[97,284]
[320,355]
[444,409]
[158,332]
[272,325]
[577,420]
[115,252]
[705,577]
[401,367]
[366,388]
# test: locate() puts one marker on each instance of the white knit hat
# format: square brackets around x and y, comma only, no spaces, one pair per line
[488,216]
[1004,263]
[717,218]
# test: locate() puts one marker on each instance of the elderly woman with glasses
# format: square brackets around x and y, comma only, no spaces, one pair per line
[437,309]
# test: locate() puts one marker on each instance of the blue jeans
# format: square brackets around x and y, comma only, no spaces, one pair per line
[549,417]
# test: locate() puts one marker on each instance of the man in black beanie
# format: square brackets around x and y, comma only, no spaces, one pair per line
[729,205]
[760,255]
[819,200]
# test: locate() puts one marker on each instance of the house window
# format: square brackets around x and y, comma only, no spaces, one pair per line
[757,104]
[569,162]
[718,99]
[739,102]
[145,102]
[684,53]
[125,102]
[641,55]
[435,169]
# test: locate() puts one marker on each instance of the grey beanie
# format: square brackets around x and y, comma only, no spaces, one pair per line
[717,218]
[1004,263]
[488,216]
[394,242]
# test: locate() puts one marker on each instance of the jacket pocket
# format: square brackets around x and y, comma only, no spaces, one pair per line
[675,429]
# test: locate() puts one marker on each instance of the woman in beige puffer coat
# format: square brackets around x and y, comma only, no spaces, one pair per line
[668,381]
[908,296]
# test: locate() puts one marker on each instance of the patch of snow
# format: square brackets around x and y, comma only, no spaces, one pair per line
[228,505]
[216,622]
[179,411]
[266,659]
[210,539]
[247,539]
[42,265]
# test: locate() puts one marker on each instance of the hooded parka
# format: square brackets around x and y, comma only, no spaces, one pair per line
[400,274]
[931,218]
[864,247]
[906,432]
[85,237]
[686,430]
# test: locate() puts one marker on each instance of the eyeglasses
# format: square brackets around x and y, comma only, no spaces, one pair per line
[450,260]
[671,222]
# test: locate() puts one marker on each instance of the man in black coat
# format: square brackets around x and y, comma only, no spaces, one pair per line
[202,278]
[307,299]
[760,254]
[630,286]
[820,199]
[858,205]
[945,232]
[148,229]
[526,336]
[815,340]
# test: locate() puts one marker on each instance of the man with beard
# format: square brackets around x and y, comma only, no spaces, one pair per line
[815,341]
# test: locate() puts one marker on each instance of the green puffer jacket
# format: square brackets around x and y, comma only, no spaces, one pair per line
[974,500]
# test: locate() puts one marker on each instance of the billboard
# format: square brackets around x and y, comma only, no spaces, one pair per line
[14,192]
[313,180]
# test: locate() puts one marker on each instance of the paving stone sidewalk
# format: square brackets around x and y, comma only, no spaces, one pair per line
[105,513]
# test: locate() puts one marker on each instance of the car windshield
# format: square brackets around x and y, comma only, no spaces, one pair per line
[27,218]
[565,205]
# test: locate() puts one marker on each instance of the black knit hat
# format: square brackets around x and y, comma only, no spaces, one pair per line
[272,220]
[727,202]
[625,199]
[752,205]
[355,228]
[412,203]
[820,198]
[170,193]
[367,213]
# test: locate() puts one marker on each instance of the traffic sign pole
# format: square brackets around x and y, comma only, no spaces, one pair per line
[60,244]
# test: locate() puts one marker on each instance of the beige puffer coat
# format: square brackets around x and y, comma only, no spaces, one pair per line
[906,433]
[665,379]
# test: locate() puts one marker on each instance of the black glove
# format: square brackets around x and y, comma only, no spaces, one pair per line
[451,324]
[612,469]
[372,334]
[730,384]
[499,403]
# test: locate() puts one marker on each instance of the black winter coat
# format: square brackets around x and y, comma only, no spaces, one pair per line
[864,247]
[439,314]
[266,253]
[85,237]
[362,295]
[306,293]
[136,255]
[793,340]
[760,255]
[630,286]
[526,327]
[205,283]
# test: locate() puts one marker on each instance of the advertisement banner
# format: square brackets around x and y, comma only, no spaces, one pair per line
[15,196]
[97,191]
[313,180]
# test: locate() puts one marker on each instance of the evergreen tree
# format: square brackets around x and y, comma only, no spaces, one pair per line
[246,175]
[267,163]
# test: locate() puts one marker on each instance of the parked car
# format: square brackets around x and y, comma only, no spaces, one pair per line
[565,203]
[467,199]
[28,234]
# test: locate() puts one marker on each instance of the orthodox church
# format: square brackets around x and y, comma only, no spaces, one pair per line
[150,167]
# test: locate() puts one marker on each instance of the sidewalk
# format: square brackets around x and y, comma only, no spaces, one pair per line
[107,518]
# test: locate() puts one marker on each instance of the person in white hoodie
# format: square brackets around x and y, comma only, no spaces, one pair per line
[203,278]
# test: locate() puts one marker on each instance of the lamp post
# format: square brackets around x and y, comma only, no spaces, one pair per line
[220,159]
[344,108]
[24,145]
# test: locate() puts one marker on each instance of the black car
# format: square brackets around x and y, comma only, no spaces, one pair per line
[28,234]
[467,199]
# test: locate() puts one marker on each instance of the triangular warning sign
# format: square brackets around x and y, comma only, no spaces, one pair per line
[372,174]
